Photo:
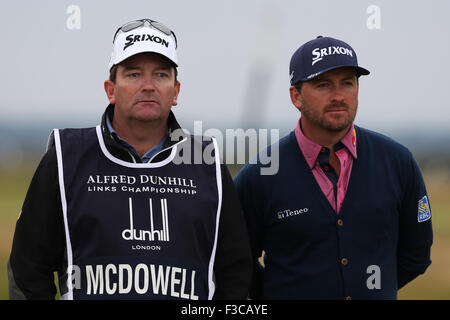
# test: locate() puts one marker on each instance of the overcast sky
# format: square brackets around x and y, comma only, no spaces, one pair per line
[233,57]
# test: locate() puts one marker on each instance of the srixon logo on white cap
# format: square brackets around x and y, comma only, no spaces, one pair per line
[319,53]
[131,39]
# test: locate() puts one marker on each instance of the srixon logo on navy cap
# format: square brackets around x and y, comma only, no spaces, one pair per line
[319,53]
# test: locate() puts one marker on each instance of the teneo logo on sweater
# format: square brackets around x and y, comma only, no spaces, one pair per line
[152,234]
[289,213]
[319,53]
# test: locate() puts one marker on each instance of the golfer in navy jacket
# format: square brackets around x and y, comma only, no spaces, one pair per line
[121,210]
[347,215]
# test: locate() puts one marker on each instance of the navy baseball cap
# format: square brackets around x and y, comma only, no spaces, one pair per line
[321,55]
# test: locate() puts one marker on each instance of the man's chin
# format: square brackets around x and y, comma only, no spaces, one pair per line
[146,112]
[149,115]
[146,117]
[336,127]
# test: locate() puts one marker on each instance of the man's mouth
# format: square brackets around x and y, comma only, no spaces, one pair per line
[338,108]
[147,101]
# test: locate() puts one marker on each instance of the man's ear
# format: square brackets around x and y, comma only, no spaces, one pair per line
[295,97]
[177,92]
[110,91]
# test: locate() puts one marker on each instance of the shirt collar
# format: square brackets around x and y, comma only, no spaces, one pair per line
[349,141]
[311,150]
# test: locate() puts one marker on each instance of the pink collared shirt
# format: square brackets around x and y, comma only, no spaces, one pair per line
[345,155]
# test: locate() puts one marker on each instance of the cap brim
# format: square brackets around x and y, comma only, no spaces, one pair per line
[359,71]
[362,72]
[145,51]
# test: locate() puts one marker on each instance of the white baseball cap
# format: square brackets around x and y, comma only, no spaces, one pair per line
[140,36]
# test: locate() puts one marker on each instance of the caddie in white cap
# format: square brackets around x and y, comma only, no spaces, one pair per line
[113,210]
[142,50]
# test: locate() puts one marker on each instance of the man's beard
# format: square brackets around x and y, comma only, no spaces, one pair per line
[318,118]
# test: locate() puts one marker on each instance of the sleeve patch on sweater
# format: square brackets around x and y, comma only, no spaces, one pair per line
[423,213]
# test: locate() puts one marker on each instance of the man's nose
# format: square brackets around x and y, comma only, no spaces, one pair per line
[337,94]
[148,84]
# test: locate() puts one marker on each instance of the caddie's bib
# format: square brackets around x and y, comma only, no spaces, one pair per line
[138,230]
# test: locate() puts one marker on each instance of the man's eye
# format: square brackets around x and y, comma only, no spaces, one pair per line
[322,85]
[133,75]
[162,75]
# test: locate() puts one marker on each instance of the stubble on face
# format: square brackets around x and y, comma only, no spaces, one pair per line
[330,101]
[327,119]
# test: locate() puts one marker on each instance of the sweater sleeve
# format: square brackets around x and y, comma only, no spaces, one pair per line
[233,263]
[38,243]
[415,228]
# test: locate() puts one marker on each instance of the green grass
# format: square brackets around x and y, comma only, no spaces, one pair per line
[13,187]
[434,284]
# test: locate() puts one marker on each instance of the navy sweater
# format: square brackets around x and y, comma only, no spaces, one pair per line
[373,247]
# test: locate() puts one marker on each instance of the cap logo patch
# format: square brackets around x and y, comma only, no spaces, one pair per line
[131,39]
[319,53]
